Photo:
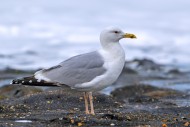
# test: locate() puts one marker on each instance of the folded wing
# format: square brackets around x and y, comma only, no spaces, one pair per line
[76,70]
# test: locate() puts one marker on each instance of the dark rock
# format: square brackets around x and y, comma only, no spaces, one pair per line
[142,90]
[16,91]
[129,70]
[15,71]
[174,71]
[112,117]
[142,99]
[145,64]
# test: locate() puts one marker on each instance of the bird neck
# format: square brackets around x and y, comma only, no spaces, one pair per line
[113,48]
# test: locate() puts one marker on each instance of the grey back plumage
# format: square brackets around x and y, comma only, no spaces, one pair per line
[76,70]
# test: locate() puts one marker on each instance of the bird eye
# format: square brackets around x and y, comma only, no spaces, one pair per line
[116,32]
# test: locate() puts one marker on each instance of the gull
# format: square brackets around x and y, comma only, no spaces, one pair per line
[88,72]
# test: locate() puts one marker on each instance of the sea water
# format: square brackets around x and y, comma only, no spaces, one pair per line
[38,34]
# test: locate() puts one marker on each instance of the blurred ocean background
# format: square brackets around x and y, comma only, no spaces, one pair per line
[41,33]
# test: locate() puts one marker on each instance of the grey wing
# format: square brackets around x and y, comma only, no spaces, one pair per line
[76,70]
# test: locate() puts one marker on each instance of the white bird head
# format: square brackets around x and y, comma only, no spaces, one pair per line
[114,34]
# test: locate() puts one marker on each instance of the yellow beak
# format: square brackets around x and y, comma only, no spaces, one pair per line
[127,35]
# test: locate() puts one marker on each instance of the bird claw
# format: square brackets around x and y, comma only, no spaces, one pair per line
[92,113]
[87,112]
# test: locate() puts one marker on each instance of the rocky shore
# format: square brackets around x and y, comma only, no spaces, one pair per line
[145,95]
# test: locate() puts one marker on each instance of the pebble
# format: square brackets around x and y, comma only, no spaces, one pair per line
[112,124]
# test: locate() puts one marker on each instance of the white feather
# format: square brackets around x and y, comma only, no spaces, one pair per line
[39,76]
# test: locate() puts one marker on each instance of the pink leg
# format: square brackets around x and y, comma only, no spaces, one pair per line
[91,103]
[86,102]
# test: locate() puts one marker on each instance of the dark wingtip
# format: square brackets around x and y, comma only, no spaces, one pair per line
[14,81]
[31,81]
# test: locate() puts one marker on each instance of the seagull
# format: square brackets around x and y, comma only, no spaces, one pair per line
[88,72]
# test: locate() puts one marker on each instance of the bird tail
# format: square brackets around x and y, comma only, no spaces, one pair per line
[32,81]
